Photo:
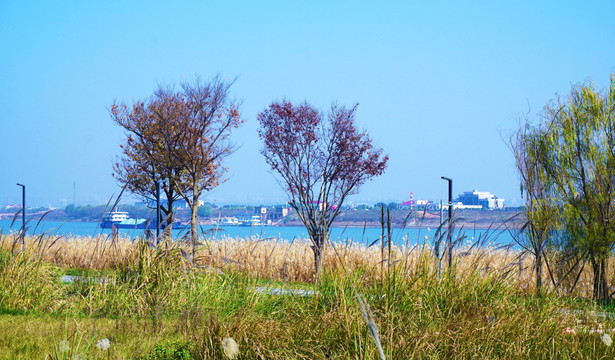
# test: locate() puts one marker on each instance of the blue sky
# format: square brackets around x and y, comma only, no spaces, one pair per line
[439,83]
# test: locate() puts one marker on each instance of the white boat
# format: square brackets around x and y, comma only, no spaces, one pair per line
[121,220]
[113,217]
[255,220]
[229,221]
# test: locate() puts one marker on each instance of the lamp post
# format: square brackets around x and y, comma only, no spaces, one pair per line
[158,208]
[23,215]
[449,236]
[158,214]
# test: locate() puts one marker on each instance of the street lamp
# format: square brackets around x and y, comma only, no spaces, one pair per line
[157,208]
[450,196]
[449,238]
[23,215]
[158,215]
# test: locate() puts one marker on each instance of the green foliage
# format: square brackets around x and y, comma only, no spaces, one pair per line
[162,307]
[205,210]
[140,212]
[84,212]
[94,213]
[176,350]
[26,283]
[73,345]
[567,167]
[542,211]
[238,207]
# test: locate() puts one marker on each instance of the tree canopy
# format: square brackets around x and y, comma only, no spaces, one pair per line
[177,135]
[153,132]
[571,165]
[320,162]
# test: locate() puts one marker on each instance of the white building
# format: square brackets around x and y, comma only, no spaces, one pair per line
[483,199]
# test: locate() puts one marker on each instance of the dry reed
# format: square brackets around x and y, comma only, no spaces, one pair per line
[293,260]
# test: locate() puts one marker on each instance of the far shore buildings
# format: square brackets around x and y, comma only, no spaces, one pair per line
[480,200]
[177,204]
[476,200]
[268,215]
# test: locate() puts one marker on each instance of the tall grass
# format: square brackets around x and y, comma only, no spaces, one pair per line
[287,260]
[26,282]
[140,296]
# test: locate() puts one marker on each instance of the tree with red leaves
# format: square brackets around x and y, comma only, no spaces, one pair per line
[321,162]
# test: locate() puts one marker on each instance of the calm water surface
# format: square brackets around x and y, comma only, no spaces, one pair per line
[410,236]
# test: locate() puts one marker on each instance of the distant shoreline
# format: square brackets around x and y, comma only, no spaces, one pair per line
[32,221]
[466,219]
[424,225]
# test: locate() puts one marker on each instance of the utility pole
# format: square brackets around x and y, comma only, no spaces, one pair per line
[449,236]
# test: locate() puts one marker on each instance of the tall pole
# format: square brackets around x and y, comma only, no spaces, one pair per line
[449,236]
[23,216]
[157,209]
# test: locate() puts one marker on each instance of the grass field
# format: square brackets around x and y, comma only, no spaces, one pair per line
[163,303]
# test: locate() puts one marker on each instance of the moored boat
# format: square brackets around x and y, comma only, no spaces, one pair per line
[253,221]
[121,220]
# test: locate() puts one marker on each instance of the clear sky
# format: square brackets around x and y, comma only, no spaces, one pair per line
[437,82]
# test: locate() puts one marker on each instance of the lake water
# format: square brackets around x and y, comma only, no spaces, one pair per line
[409,236]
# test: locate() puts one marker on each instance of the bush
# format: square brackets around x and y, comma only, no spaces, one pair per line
[175,350]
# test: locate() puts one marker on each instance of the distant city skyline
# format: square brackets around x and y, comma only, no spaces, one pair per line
[133,200]
[440,86]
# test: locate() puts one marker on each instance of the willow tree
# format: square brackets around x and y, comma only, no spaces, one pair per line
[579,159]
[320,162]
[541,207]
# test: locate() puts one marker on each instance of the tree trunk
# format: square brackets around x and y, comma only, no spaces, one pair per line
[538,273]
[194,208]
[169,221]
[319,253]
[601,291]
[167,218]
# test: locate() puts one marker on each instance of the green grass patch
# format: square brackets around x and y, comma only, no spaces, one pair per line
[161,307]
